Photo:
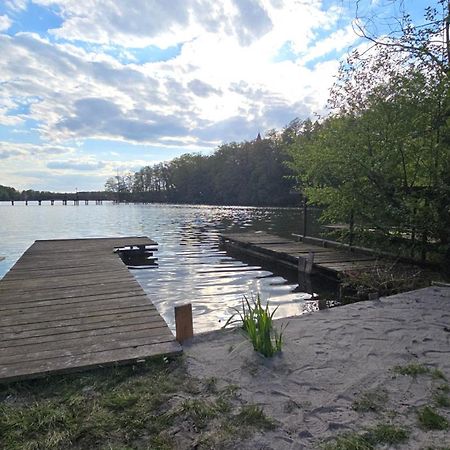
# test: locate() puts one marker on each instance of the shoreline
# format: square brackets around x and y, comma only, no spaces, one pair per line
[332,358]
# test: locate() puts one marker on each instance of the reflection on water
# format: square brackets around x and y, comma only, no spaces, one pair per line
[191,266]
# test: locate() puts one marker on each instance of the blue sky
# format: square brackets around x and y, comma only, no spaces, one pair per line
[88,89]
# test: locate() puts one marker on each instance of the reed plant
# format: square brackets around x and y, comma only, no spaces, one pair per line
[257,323]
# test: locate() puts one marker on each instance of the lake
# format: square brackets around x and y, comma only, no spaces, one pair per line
[191,265]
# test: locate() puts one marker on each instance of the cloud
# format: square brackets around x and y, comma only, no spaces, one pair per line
[107,75]
[27,150]
[16,5]
[5,23]
[87,165]
[5,154]
[202,89]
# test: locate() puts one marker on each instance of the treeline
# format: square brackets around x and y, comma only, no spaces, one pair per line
[246,173]
[8,193]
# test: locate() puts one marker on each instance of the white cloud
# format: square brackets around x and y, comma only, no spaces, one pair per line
[16,5]
[224,84]
[5,23]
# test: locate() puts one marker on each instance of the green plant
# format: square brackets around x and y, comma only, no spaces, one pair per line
[412,370]
[253,415]
[372,437]
[370,401]
[431,420]
[257,322]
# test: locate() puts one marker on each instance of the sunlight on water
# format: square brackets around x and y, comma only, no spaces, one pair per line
[191,266]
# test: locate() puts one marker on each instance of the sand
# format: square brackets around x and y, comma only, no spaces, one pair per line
[332,357]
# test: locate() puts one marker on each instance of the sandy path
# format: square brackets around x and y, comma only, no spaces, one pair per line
[329,359]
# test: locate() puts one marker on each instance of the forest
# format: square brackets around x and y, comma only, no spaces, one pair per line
[245,173]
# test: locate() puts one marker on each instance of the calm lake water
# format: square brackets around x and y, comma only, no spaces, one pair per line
[191,266]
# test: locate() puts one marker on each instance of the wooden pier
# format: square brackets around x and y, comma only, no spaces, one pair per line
[70,305]
[303,256]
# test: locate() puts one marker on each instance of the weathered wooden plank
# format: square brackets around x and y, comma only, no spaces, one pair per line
[85,344]
[87,361]
[79,334]
[73,302]
[41,320]
[66,293]
[67,282]
[61,272]
[60,311]
[123,320]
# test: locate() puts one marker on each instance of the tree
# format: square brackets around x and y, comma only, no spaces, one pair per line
[383,152]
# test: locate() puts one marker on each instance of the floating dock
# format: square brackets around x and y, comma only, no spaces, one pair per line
[69,305]
[303,256]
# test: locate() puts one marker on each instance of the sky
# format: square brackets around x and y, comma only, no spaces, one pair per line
[93,88]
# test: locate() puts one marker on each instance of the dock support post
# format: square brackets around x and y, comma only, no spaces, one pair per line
[183,322]
[305,265]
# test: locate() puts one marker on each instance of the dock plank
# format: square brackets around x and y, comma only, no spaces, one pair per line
[71,304]
[327,260]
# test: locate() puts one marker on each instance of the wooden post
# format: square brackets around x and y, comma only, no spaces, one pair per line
[12,202]
[39,202]
[305,214]
[306,264]
[183,322]
[351,229]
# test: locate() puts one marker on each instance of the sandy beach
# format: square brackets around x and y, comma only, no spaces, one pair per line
[331,361]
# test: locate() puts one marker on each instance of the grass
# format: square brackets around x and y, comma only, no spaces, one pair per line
[370,401]
[130,407]
[254,416]
[412,370]
[382,434]
[257,322]
[415,369]
[429,419]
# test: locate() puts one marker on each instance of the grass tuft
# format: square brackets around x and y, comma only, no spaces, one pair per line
[431,420]
[382,434]
[370,401]
[257,322]
[254,416]
[412,370]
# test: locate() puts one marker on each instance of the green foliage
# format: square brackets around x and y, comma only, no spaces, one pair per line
[383,155]
[253,415]
[415,369]
[381,434]
[429,419]
[257,322]
[370,401]
[245,173]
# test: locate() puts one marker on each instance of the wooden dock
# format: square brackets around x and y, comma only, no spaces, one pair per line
[295,255]
[70,305]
